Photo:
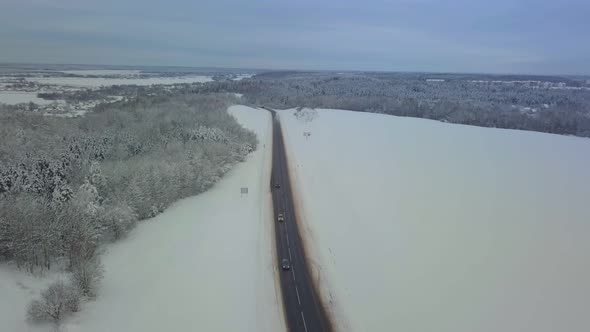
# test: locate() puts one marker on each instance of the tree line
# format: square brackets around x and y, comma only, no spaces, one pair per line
[457,99]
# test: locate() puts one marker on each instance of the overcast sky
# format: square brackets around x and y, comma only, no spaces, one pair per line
[499,36]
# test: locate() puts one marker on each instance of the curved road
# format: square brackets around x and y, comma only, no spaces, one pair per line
[303,309]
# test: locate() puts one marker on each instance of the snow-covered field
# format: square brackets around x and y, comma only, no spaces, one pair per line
[95,82]
[416,225]
[207,263]
[103,72]
[118,77]
[17,97]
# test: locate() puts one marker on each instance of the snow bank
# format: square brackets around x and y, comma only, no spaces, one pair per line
[417,225]
[205,264]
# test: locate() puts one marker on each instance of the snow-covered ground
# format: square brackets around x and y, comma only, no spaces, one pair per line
[207,263]
[17,97]
[95,82]
[417,225]
[17,289]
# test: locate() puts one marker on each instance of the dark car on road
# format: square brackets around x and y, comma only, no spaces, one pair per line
[277,185]
[285,265]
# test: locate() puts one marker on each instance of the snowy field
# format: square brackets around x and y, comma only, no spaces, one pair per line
[207,263]
[240,77]
[103,72]
[17,97]
[95,82]
[417,225]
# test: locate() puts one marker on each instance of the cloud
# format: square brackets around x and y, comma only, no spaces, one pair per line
[454,35]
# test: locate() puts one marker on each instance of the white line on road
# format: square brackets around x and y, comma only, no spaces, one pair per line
[290,254]
[287,236]
[293,273]
[304,325]
[298,299]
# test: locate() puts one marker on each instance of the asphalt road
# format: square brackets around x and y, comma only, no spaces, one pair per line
[303,309]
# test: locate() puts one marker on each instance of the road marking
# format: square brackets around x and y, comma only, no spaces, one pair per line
[298,299]
[290,254]
[286,235]
[293,273]
[303,318]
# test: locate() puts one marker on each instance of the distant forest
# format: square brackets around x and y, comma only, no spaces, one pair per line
[551,104]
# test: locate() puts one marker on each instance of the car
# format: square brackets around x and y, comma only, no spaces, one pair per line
[281,217]
[285,265]
[277,185]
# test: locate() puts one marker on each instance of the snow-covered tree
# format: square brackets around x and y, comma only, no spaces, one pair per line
[118,218]
[96,177]
[61,194]
[87,199]
[87,275]
[80,182]
[55,303]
